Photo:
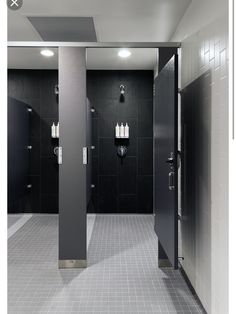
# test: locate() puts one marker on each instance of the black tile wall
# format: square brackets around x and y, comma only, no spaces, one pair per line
[145,160]
[107,194]
[127,169]
[34,194]
[36,88]
[145,193]
[49,175]
[127,204]
[35,157]
[121,186]
[49,203]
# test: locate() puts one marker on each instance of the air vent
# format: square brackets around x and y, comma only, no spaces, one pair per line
[64,28]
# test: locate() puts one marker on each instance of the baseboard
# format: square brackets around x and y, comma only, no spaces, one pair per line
[191,288]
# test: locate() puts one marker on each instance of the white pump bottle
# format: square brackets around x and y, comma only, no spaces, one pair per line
[126,130]
[53,130]
[122,130]
[117,130]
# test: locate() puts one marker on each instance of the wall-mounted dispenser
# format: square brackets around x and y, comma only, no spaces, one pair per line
[55,130]
[117,130]
[122,138]
[122,130]
[126,130]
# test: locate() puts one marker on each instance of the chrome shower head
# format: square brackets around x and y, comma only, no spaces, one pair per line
[122,89]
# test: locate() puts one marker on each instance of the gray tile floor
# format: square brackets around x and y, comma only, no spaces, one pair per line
[12,219]
[122,274]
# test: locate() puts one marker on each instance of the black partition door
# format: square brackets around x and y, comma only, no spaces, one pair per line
[165,159]
[88,144]
[18,154]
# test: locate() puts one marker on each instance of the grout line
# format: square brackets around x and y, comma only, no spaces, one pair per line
[90,226]
[17,225]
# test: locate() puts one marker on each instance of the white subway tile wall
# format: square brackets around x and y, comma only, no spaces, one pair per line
[205,54]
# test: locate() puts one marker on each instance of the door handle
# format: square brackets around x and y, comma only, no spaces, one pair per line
[59,155]
[85,155]
[171,181]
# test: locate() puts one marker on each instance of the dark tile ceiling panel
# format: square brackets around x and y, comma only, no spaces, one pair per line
[64,28]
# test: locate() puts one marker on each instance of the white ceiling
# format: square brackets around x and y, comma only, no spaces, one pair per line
[114,20]
[97,58]
[30,58]
[103,58]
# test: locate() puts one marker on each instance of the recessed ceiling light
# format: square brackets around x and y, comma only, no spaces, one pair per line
[124,53]
[47,53]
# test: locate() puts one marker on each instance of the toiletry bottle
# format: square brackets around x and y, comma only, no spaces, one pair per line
[117,130]
[57,130]
[53,130]
[122,130]
[126,130]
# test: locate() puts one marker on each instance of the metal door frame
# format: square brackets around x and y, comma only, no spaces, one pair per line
[51,44]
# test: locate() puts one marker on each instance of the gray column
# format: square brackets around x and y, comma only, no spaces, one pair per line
[72,171]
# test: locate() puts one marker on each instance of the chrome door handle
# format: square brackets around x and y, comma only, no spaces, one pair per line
[59,155]
[171,181]
[85,155]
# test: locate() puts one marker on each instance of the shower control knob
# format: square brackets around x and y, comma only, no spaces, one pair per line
[170,161]
[122,151]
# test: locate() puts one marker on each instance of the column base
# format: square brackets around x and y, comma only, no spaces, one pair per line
[72,263]
[164,263]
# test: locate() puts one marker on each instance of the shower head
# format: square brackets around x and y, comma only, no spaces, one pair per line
[122,89]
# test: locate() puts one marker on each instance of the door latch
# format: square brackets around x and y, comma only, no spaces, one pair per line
[170,160]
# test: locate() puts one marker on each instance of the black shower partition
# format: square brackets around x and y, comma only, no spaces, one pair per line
[89,152]
[18,154]
[36,89]
[165,162]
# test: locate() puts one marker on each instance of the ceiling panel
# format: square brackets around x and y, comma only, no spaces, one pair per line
[64,28]
[123,20]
